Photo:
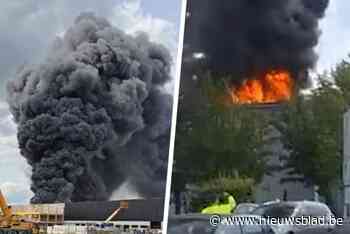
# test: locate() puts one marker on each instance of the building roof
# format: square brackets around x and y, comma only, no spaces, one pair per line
[138,210]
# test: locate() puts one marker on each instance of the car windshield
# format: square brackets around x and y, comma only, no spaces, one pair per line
[244,209]
[190,227]
[313,210]
[275,211]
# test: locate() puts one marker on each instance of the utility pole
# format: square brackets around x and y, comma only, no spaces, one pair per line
[346,163]
[316,195]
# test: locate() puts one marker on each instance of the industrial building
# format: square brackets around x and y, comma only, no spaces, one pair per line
[139,214]
[90,217]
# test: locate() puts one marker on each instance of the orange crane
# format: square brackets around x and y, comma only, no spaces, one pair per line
[122,205]
[11,223]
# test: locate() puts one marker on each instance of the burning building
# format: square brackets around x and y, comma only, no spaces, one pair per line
[264,47]
[274,86]
[94,114]
[262,51]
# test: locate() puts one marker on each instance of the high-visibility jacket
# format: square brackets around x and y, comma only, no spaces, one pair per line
[225,208]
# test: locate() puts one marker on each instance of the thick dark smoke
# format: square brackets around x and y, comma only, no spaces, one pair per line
[94,114]
[243,37]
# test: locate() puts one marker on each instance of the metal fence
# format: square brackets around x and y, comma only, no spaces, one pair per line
[71,229]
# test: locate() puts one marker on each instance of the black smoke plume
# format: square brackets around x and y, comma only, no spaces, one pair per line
[245,37]
[94,114]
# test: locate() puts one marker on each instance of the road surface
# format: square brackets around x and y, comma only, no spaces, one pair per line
[345,229]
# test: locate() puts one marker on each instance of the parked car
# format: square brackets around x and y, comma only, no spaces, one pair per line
[285,210]
[245,208]
[200,224]
[254,227]
[190,224]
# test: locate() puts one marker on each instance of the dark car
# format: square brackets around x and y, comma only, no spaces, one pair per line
[200,224]
[190,224]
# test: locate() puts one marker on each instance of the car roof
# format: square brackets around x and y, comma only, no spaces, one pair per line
[247,204]
[190,216]
[199,216]
[295,203]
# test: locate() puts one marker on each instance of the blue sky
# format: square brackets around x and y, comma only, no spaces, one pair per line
[28,27]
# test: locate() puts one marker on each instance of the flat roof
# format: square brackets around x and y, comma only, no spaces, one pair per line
[138,210]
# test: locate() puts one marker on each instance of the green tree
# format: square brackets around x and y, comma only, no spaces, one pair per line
[214,139]
[241,187]
[311,131]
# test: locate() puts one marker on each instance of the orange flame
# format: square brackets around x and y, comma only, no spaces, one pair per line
[271,87]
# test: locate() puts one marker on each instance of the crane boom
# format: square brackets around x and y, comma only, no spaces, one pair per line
[122,205]
[5,208]
[14,222]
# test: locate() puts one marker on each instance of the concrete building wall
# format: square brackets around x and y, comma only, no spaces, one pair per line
[44,214]
[271,187]
[42,208]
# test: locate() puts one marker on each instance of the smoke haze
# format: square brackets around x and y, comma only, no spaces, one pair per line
[94,113]
[244,37]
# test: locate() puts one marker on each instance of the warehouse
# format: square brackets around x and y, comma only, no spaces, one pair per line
[139,214]
[82,217]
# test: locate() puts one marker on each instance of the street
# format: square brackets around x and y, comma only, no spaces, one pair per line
[344,229]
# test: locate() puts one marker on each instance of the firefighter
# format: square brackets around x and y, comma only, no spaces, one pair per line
[222,206]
